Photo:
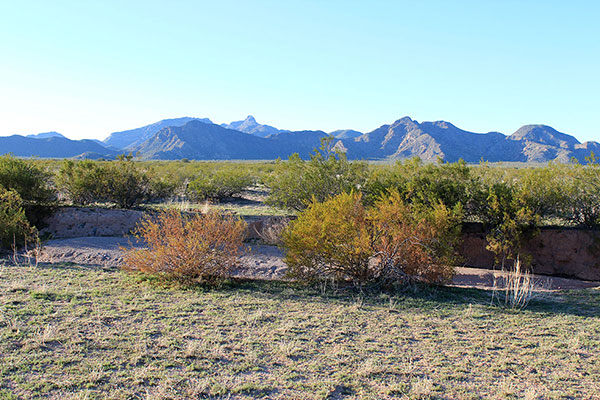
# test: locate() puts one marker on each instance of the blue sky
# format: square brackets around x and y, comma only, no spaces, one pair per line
[88,68]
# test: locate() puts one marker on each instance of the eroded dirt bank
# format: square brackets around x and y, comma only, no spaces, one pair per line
[260,262]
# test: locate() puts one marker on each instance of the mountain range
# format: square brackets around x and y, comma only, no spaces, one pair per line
[200,139]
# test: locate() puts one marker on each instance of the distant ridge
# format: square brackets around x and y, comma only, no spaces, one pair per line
[53,147]
[45,135]
[200,139]
[133,137]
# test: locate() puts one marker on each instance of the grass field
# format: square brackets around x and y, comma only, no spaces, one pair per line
[68,332]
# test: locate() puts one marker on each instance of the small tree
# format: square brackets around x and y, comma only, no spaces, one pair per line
[510,222]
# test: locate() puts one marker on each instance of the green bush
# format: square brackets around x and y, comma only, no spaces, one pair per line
[390,242]
[219,184]
[126,184]
[581,190]
[296,182]
[14,226]
[509,221]
[429,184]
[123,182]
[82,182]
[26,178]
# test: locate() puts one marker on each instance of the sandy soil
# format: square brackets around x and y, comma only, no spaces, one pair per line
[261,262]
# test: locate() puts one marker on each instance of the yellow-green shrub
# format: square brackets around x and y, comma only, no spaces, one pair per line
[393,241]
[14,226]
[330,239]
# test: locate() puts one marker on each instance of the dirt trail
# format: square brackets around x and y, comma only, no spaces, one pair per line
[261,262]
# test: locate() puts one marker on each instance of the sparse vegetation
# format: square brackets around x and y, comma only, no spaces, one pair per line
[75,332]
[515,288]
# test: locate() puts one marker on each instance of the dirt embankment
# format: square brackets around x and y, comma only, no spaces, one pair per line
[569,253]
[259,262]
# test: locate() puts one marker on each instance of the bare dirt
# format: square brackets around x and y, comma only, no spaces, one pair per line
[260,262]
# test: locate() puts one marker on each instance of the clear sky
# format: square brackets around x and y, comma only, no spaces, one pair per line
[88,68]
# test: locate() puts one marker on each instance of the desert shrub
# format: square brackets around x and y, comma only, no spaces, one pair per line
[414,241]
[330,239]
[82,182]
[391,242]
[542,190]
[219,184]
[581,188]
[428,184]
[509,221]
[200,248]
[296,182]
[30,181]
[124,182]
[14,226]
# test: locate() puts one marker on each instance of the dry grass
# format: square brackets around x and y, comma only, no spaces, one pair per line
[515,288]
[68,332]
[271,230]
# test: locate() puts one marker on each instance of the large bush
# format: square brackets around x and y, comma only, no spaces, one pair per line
[392,241]
[220,184]
[428,184]
[27,179]
[296,182]
[14,226]
[414,241]
[201,248]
